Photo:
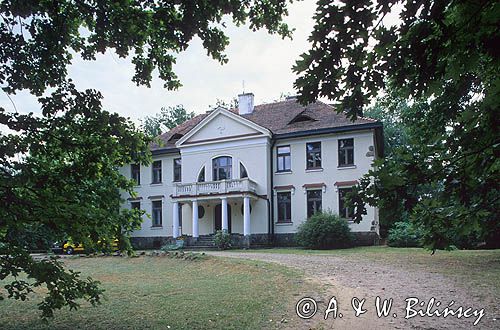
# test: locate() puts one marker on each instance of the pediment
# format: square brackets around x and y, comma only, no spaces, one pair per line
[222,125]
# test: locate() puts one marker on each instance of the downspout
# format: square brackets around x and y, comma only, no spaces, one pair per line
[270,199]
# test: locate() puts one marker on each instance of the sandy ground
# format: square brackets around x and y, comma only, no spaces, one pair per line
[345,277]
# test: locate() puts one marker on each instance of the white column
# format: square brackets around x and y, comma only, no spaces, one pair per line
[175,217]
[246,215]
[195,218]
[225,225]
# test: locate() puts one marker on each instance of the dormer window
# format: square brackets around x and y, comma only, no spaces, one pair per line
[301,118]
[175,137]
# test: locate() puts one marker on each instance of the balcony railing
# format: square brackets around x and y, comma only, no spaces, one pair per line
[214,187]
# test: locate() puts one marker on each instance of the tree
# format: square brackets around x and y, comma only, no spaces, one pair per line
[231,104]
[390,113]
[442,56]
[60,168]
[167,118]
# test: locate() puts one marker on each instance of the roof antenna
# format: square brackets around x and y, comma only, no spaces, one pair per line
[243,83]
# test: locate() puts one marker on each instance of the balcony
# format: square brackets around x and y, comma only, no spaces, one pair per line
[214,187]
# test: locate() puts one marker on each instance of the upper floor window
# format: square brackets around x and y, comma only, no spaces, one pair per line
[135,170]
[313,153]
[284,206]
[222,168]
[314,202]
[284,159]
[346,152]
[156,214]
[201,176]
[156,175]
[177,169]
[345,211]
[243,171]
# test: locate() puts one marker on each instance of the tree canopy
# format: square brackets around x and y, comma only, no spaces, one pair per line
[166,119]
[443,58]
[60,167]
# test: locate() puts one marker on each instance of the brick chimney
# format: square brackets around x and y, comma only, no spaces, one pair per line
[245,103]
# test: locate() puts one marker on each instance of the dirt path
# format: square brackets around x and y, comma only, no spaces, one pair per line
[346,277]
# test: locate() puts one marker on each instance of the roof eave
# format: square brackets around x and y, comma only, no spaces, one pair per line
[164,151]
[328,130]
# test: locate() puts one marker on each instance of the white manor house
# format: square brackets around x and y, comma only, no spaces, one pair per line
[256,171]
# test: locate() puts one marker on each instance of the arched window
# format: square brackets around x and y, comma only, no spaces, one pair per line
[201,176]
[243,171]
[222,168]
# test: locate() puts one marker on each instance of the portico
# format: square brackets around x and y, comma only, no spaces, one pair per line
[210,206]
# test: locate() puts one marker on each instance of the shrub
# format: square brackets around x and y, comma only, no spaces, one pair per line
[404,234]
[34,237]
[222,239]
[324,231]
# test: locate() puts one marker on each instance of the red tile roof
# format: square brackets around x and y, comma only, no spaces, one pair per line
[277,117]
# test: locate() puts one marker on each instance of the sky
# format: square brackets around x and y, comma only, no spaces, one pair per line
[263,61]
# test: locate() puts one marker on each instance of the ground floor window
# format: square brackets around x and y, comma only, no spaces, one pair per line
[179,213]
[344,211]
[135,205]
[156,214]
[314,202]
[284,206]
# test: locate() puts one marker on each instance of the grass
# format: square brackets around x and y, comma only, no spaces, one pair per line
[159,292]
[480,268]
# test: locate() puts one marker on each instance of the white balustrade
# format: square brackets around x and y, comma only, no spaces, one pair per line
[214,187]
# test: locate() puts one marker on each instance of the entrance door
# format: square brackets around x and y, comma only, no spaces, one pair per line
[218,217]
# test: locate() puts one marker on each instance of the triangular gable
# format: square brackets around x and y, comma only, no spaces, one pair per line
[222,125]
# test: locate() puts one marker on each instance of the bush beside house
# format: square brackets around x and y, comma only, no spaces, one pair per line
[404,234]
[324,231]
[222,239]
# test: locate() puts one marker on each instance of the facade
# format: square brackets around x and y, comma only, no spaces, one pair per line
[256,171]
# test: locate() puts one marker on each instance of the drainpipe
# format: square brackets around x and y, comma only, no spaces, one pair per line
[270,199]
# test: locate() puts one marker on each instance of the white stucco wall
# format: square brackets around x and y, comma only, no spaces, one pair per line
[146,189]
[221,126]
[330,174]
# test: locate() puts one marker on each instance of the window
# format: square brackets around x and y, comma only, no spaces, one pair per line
[313,151]
[313,202]
[284,206]
[179,213]
[344,211]
[156,172]
[301,118]
[177,169]
[201,211]
[135,170]
[135,205]
[175,137]
[284,159]
[156,213]
[243,171]
[201,176]
[346,152]
[243,209]
[222,168]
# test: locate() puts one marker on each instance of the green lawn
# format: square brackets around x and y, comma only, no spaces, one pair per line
[480,268]
[160,292]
